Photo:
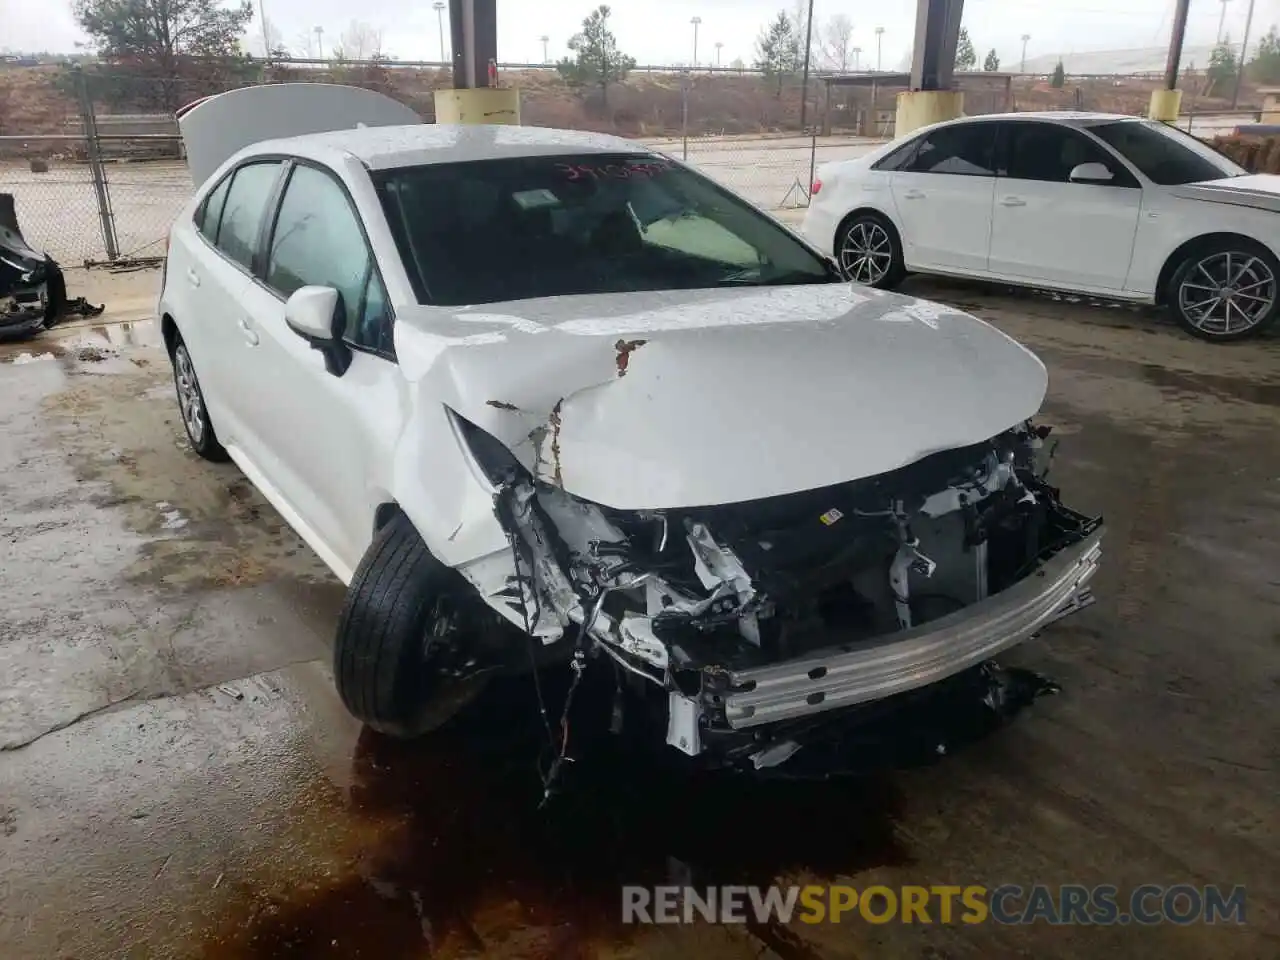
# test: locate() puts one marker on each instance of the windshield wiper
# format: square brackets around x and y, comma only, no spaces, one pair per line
[753,278]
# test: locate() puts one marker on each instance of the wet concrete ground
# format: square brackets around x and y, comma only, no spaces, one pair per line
[177,778]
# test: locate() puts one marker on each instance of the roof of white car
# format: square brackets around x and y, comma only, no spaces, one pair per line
[381,148]
[1070,117]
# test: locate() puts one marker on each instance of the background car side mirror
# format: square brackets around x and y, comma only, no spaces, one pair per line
[1091,173]
[316,314]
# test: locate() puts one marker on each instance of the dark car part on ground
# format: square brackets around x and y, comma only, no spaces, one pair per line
[33,291]
[755,628]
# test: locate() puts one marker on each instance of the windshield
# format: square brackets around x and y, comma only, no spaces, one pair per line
[492,230]
[1165,154]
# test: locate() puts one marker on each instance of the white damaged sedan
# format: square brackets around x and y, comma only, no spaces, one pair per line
[549,397]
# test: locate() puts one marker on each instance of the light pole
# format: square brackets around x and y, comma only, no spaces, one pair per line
[546,57]
[319,32]
[718,46]
[695,21]
[879,38]
[1221,20]
[438,7]
[857,59]
[1244,50]
[1025,38]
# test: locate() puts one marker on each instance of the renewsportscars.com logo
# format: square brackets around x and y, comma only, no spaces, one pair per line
[1064,904]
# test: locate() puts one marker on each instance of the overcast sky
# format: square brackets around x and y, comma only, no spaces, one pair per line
[658,31]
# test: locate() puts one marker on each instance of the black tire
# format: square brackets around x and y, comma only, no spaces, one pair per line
[191,405]
[1263,276]
[868,224]
[391,670]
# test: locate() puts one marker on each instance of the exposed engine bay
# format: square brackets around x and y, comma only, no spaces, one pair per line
[710,608]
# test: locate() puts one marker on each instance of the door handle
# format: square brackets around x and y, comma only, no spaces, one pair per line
[1013,202]
[250,335]
[913,195]
[193,278]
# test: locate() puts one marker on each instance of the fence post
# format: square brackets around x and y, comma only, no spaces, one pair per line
[90,124]
[813,161]
[684,114]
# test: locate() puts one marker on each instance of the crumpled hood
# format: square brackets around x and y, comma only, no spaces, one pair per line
[687,398]
[1259,190]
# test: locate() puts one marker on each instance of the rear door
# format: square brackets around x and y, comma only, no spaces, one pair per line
[943,198]
[210,268]
[1047,228]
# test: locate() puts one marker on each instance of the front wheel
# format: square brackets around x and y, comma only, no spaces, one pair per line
[406,659]
[869,251]
[1226,291]
[195,415]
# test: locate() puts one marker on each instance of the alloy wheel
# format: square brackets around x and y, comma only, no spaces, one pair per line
[866,256]
[189,400]
[1227,293]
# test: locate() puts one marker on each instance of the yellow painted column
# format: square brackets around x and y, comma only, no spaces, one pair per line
[1165,105]
[919,108]
[478,105]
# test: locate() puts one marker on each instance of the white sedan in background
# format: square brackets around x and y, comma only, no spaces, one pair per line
[1083,202]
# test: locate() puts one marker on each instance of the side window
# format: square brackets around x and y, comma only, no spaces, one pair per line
[899,159]
[317,240]
[242,213]
[1048,152]
[209,214]
[962,149]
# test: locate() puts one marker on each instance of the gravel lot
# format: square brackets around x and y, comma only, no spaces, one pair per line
[177,778]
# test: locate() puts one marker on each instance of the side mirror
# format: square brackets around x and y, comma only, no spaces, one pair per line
[1091,173]
[316,315]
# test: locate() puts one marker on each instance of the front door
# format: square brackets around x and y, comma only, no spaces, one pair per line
[1046,227]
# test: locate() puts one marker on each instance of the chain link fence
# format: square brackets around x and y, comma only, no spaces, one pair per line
[107,185]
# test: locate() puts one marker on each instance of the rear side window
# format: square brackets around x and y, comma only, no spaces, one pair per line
[898,159]
[963,149]
[210,213]
[317,240]
[242,213]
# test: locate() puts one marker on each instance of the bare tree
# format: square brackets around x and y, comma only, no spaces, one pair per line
[360,41]
[305,44]
[799,17]
[836,40]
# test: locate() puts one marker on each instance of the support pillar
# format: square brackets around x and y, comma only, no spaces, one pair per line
[476,96]
[1165,105]
[919,108]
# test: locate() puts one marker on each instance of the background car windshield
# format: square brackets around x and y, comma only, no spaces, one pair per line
[512,229]
[1165,155]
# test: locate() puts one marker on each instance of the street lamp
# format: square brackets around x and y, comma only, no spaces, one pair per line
[695,21]
[319,32]
[879,38]
[546,57]
[1025,38]
[857,62]
[438,7]
[718,46]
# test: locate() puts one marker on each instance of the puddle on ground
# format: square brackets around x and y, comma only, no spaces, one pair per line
[473,866]
[1226,388]
[84,344]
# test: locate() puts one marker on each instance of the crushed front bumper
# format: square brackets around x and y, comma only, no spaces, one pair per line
[850,674]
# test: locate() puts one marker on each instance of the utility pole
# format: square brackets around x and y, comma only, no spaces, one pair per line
[879,37]
[695,21]
[544,39]
[1025,38]
[438,7]
[1222,18]
[319,32]
[804,83]
[857,61]
[719,45]
[1244,49]
[266,41]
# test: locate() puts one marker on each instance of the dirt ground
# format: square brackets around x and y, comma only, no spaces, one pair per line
[178,779]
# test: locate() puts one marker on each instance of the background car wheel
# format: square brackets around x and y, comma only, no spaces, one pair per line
[195,415]
[1226,291]
[869,251]
[404,658]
